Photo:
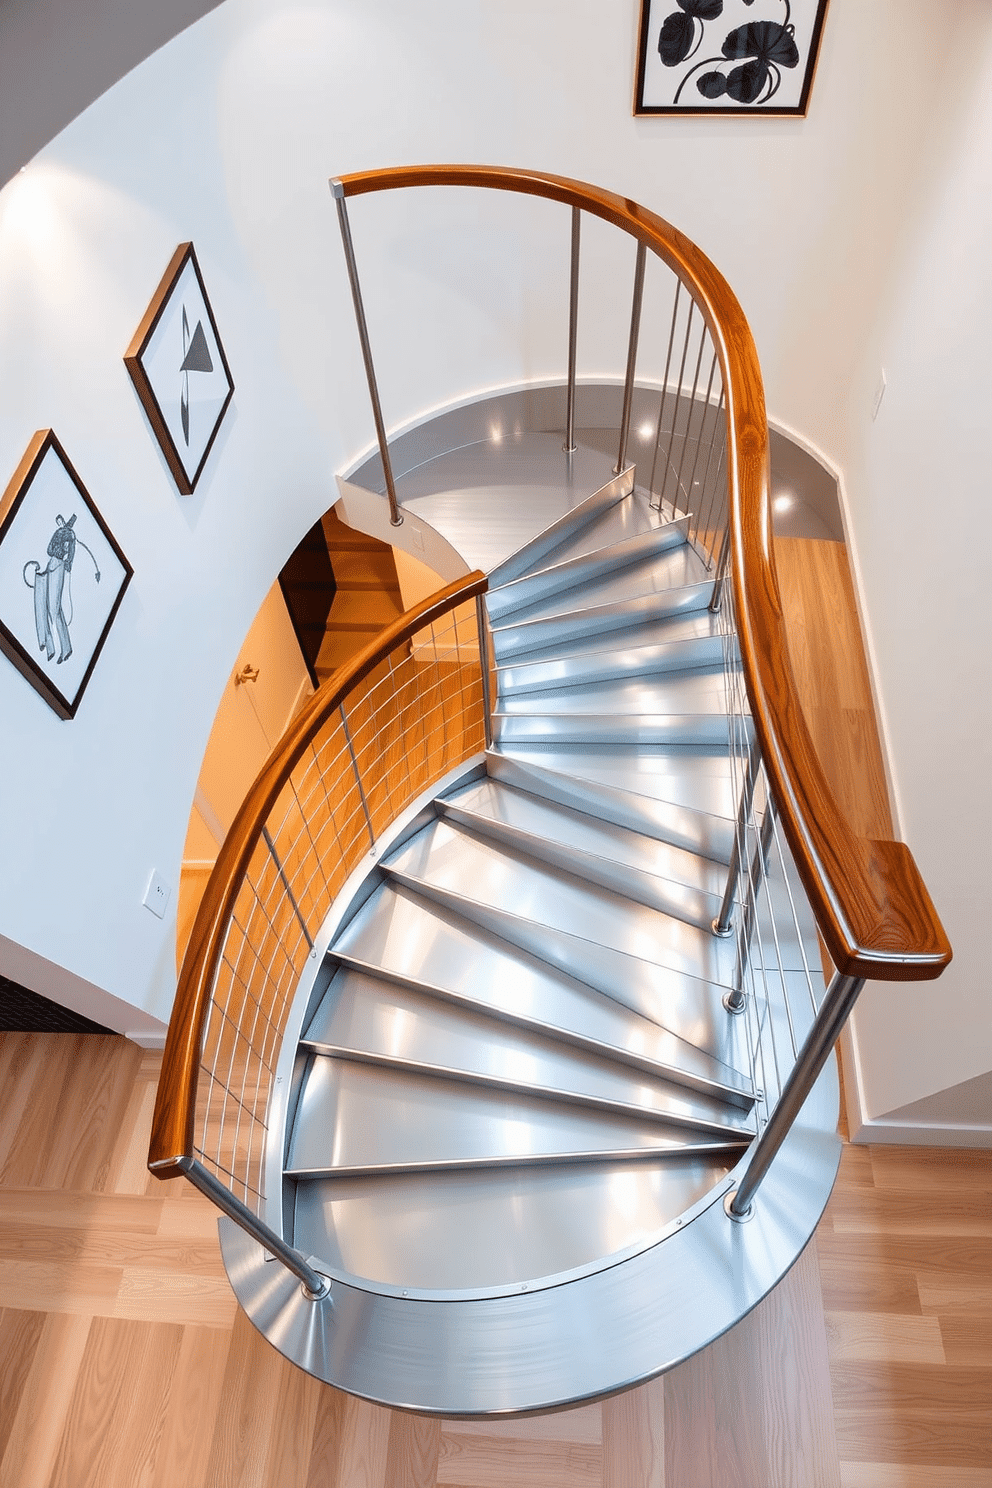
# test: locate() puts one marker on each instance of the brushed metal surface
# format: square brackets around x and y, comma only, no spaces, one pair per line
[523,1097]
[496,1230]
[444,858]
[682,826]
[492,498]
[642,868]
[354,1118]
[593,659]
[673,568]
[567,573]
[554,1345]
[650,775]
[701,689]
[523,635]
[365,1018]
[540,548]
[459,959]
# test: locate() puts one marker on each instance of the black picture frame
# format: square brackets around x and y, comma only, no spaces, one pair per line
[759,55]
[55,638]
[179,369]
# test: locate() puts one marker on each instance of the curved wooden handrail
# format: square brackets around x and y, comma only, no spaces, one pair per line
[173,1121]
[871,904]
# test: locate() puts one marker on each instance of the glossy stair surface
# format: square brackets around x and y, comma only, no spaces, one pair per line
[518,1098]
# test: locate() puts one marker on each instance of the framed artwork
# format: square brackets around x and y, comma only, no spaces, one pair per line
[727,56]
[62,575]
[178,366]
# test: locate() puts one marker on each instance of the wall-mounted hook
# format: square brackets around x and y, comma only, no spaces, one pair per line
[246,674]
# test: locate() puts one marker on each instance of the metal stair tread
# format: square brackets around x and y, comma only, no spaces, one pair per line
[449,860]
[672,644]
[366,1019]
[563,575]
[652,777]
[458,959]
[697,730]
[523,636]
[700,689]
[654,873]
[502,1228]
[675,568]
[628,518]
[353,1119]
[696,831]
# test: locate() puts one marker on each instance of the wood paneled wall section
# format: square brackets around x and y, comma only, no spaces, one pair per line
[124,1359]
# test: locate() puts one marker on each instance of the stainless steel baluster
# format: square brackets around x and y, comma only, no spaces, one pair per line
[487,722]
[358,777]
[573,332]
[834,1012]
[661,406]
[635,329]
[337,191]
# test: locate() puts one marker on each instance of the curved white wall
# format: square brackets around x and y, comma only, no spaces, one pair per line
[227,136]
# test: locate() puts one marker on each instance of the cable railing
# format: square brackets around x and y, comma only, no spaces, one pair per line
[384,729]
[871,905]
[416,703]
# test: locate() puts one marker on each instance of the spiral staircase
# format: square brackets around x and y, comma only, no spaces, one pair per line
[502,1042]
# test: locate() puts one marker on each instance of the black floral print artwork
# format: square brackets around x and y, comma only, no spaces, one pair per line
[679,37]
[738,64]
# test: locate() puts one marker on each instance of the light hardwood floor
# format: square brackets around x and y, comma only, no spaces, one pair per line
[124,1360]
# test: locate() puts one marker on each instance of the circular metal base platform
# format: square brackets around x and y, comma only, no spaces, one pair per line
[557,1346]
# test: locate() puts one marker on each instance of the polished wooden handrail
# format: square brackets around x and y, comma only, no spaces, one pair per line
[871,903]
[173,1121]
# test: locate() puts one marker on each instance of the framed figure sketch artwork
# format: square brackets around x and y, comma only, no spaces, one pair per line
[727,56]
[62,575]
[179,369]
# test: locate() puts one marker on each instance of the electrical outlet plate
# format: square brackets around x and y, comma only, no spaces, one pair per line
[157,895]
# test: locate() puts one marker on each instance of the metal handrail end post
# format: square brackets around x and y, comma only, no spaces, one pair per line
[834,1012]
[315,1285]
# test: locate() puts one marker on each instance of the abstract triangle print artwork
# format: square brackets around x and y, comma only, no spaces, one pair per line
[727,56]
[179,369]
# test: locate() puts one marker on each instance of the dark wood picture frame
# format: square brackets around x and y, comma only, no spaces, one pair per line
[750,54]
[169,346]
[44,481]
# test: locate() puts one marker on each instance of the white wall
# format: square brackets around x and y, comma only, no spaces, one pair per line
[919,492]
[227,137]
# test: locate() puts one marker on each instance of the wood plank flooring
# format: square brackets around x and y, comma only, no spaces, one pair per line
[124,1360]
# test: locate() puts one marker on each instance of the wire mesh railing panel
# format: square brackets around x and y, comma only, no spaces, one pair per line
[778,977]
[413,718]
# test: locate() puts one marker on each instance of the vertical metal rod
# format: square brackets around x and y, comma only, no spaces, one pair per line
[285,883]
[699,443]
[723,564]
[573,332]
[717,424]
[734,1002]
[664,395]
[835,1009]
[487,721]
[725,919]
[635,329]
[688,423]
[678,396]
[315,1286]
[358,778]
[337,191]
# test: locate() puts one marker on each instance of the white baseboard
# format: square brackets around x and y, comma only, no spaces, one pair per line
[147,1040]
[868,1130]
